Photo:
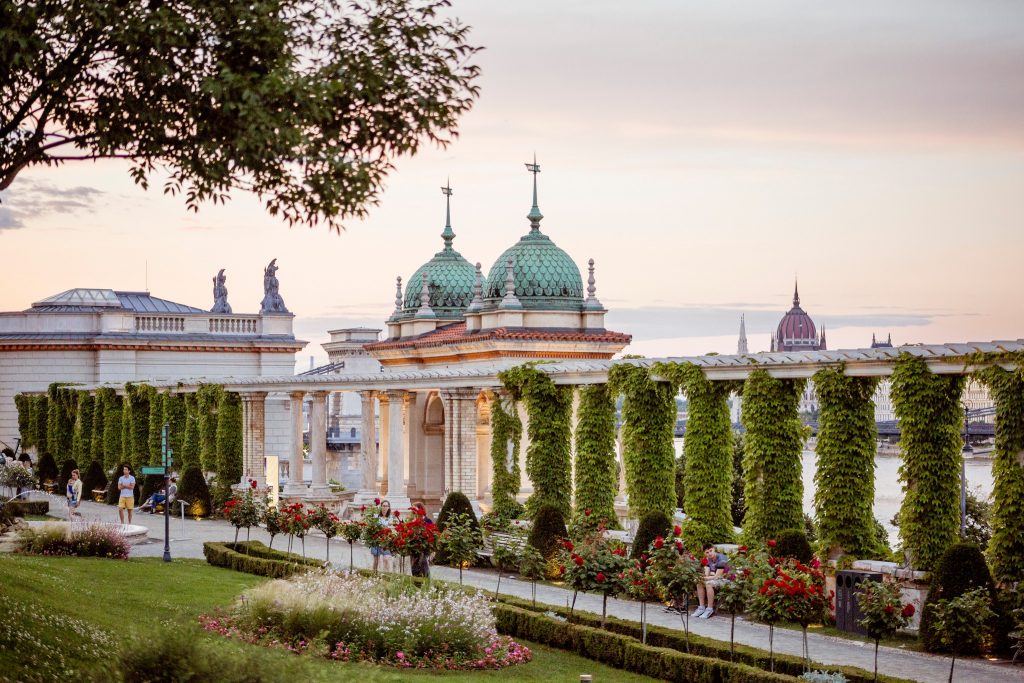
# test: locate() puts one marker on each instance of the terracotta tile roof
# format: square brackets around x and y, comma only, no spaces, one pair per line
[456,333]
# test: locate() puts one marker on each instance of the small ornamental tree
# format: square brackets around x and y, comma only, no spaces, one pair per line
[415,538]
[505,559]
[326,522]
[884,611]
[676,573]
[961,624]
[733,596]
[795,593]
[351,531]
[47,469]
[461,541]
[15,476]
[640,586]
[532,566]
[298,525]
[245,510]
[595,565]
[375,533]
[455,503]
[193,490]
[273,520]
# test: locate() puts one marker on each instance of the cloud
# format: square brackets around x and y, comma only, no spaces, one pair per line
[28,199]
[673,322]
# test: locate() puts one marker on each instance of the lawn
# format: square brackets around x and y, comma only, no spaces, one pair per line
[65,618]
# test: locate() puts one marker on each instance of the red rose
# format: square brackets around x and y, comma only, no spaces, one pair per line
[771,543]
[569,546]
[587,512]
[578,560]
[815,563]
[742,549]
[678,530]
[561,569]
[376,501]
[362,508]
[679,547]
[621,552]
[659,542]
[397,513]
[600,577]
[908,610]
[704,561]
[254,483]
[889,609]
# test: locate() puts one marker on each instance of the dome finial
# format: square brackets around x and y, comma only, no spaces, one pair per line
[510,300]
[398,295]
[535,215]
[796,293]
[448,235]
[591,301]
[425,311]
[478,300]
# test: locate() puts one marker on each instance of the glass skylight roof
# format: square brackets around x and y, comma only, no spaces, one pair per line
[82,297]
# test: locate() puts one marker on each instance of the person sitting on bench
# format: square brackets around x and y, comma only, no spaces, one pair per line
[154,500]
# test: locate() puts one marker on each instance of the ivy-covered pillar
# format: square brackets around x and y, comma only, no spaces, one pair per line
[928,408]
[1006,548]
[60,422]
[229,445]
[96,445]
[772,463]
[208,399]
[187,423]
[24,405]
[111,429]
[648,423]
[548,459]
[37,423]
[845,478]
[506,436]
[156,427]
[707,447]
[596,470]
[81,442]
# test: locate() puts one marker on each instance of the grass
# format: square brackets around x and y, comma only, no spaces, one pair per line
[65,618]
[903,641]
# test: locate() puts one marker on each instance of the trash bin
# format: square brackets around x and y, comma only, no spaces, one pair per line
[847,587]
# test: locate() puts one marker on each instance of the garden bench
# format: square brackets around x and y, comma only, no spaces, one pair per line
[502,539]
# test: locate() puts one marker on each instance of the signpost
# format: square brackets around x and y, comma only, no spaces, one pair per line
[165,470]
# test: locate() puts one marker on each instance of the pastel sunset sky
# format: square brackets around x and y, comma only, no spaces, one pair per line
[702,152]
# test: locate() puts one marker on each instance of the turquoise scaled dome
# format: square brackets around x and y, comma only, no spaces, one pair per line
[546,278]
[450,279]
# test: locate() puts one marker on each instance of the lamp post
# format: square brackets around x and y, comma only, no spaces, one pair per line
[967,451]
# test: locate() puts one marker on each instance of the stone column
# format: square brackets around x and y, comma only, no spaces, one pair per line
[385,441]
[295,485]
[396,450]
[368,448]
[253,437]
[318,444]
[460,440]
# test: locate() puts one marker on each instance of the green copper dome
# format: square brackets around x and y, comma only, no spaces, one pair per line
[450,280]
[545,277]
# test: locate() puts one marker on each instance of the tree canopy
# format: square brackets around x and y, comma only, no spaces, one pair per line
[306,103]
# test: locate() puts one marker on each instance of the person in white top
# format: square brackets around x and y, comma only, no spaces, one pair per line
[74,494]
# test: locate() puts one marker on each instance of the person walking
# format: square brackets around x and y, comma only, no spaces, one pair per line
[74,494]
[126,495]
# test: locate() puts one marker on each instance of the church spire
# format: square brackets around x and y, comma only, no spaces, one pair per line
[796,294]
[741,346]
[535,215]
[448,234]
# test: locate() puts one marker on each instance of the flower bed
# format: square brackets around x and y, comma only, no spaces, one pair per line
[350,617]
[92,540]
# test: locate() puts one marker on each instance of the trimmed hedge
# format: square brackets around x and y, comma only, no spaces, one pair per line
[700,647]
[23,508]
[259,560]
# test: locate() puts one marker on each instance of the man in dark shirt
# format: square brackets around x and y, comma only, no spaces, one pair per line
[715,567]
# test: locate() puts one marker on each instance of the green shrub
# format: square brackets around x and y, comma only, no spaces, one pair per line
[547,530]
[23,508]
[652,525]
[455,504]
[192,488]
[93,479]
[697,534]
[47,470]
[228,556]
[793,543]
[65,475]
[961,568]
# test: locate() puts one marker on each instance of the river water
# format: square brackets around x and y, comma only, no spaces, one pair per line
[888,491]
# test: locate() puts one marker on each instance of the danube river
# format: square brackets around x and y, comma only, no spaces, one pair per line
[888,492]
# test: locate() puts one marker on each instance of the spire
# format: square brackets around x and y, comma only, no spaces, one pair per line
[535,215]
[821,344]
[448,235]
[398,296]
[873,342]
[889,340]
[741,346]
[478,302]
[796,294]
[772,347]
[510,300]
[591,303]
[425,311]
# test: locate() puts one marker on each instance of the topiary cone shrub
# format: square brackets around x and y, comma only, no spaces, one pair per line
[65,475]
[548,530]
[961,568]
[47,468]
[93,479]
[793,543]
[652,525]
[192,489]
[455,504]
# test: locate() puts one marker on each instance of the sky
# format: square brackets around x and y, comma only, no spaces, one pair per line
[703,153]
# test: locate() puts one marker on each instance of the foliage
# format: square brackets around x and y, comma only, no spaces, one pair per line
[193,490]
[245,510]
[96,434]
[46,468]
[16,476]
[961,623]
[65,475]
[94,478]
[883,609]
[651,525]
[460,540]
[708,447]
[673,570]
[845,478]
[81,441]
[793,543]
[306,107]
[1006,548]
[594,564]
[24,508]
[531,563]
[960,569]
[796,593]
[596,470]
[680,481]
[739,501]
[648,421]
[505,482]
[208,397]
[59,422]
[822,677]
[772,452]
[456,503]
[187,425]
[548,457]
[150,483]
[23,404]
[548,530]
[111,428]
[928,408]
[135,424]
[91,540]
[37,423]
[228,555]
[229,444]
[156,424]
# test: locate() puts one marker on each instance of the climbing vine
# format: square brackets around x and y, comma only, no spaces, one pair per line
[59,422]
[1006,548]
[845,478]
[24,405]
[96,435]
[648,420]
[81,442]
[37,423]
[596,471]
[135,424]
[207,399]
[229,444]
[174,411]
[111,429]
[156,424]
[188,456]
[930,415]
[707,448]
[548,458]
[505,426]
[773,446]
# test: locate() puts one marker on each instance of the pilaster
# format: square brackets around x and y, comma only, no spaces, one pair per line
[296,485]
[254,437]
[318,444]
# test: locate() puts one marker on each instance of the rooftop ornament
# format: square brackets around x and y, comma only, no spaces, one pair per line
[272,301]
[220,294]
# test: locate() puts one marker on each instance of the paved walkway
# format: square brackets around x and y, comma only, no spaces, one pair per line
[187,542]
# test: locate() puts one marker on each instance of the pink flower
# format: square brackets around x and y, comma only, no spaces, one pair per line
[815,563]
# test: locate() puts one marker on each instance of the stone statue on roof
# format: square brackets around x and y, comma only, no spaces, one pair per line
[272,301]
[220,294]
